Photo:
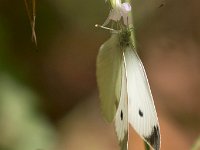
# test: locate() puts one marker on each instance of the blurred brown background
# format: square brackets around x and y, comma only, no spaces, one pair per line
[48,93]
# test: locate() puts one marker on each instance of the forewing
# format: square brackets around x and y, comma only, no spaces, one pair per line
[121,118]
[108,74]
[141,110]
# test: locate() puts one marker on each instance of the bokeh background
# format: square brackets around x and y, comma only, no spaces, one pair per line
[48,94]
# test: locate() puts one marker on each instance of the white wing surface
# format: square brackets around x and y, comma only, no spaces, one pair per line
[142,115]
[121,118]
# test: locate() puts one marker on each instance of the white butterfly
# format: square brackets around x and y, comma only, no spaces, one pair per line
[124,90]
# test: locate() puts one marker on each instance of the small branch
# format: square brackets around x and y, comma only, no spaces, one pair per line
[32,17]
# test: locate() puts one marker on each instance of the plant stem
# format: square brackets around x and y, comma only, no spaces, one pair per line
[147,147]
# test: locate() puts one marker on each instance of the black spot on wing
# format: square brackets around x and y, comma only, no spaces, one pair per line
[154,138]
[121,115]
[140,113]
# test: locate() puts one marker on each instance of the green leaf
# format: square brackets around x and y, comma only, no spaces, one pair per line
[196,146]
[109,76]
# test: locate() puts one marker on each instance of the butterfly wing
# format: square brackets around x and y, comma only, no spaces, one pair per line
[142,115]
[108,76]
[121,117]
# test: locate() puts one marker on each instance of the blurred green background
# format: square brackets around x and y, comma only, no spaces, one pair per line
[48,93]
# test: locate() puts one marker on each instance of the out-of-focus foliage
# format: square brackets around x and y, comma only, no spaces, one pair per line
[196,145]
[22,127]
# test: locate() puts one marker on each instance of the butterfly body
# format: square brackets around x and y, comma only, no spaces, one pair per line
[135,106]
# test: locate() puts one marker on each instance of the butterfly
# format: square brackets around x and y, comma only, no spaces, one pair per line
[124,90]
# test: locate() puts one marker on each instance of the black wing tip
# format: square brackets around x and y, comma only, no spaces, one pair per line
[154,138]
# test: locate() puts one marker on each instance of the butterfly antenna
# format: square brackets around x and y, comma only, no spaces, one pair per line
[103,27]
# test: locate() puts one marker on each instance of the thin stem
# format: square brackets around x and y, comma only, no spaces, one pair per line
[32,16]
[131,26]
[147,147]
[27,10]
[33,22]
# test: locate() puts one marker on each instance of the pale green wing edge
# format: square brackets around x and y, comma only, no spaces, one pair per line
[109,76]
